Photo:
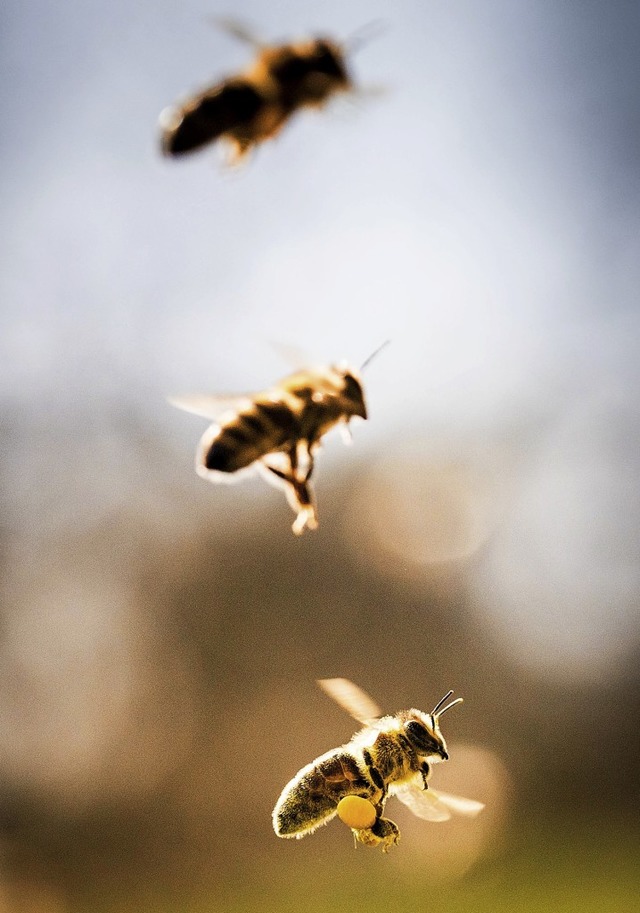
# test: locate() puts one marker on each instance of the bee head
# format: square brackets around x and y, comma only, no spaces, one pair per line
[352,392]
[423,729]
[329,60]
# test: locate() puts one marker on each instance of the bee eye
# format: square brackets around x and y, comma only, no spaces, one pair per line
[328,63]
[352,388]
[420,737]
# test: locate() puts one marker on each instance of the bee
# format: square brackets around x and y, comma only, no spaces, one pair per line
[247,109]
[278,431]
[391,756]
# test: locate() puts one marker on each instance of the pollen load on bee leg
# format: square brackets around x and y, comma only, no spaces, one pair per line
[356,812]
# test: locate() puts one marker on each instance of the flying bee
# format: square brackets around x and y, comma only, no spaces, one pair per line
[391,756]
[247,109]
[278,431]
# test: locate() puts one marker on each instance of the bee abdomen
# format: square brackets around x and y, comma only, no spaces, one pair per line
[263,428]
[209,116]
[227,453]
[313,799]
[302,810]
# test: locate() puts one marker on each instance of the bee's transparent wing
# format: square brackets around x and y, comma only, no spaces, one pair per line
[366,33]
[424,803]
[351,698]
[209,405]
[459,804]
[237,29]
[433,805]
[295,357]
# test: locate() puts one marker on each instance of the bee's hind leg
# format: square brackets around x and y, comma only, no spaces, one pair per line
[302,491]
[303,454]
[303,503]
[299,494]
[382,832]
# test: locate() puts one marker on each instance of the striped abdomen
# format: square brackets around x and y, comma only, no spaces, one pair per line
[261,428]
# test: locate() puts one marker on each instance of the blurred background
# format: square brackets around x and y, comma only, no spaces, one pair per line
[160,636]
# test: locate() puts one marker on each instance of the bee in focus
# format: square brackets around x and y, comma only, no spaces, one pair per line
[247,109]
[278,431]
[391,756]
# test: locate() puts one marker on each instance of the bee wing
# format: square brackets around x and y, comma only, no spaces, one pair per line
[458,804]
[433,805]
[351,698]
[238,29]
[292,355]
[425,803]
[206,117]
[366,33]
[207,405]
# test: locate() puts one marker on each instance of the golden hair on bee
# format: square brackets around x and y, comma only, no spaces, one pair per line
[391,756]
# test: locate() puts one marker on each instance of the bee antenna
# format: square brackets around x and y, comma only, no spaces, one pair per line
[365,34]
[441,702]
[458,700]
[364,365]
[438,712]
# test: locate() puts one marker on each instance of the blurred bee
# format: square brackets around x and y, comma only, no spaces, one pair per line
[247,109]
[278,431]
[391,756]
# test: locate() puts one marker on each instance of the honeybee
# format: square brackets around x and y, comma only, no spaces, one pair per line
[391,756]
[247,109]
[278,431]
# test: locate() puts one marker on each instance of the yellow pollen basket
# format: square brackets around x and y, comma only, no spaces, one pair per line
[356,812]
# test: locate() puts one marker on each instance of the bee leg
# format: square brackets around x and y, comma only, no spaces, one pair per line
[347,436]
[302,501]
[304,451]
[300,498]
[289,477]
[280,474]
[236,151]
[310,465]
[304,505]
[425,772]
[378,780]
[382,832]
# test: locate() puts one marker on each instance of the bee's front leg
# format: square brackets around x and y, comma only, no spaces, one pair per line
[425,772]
